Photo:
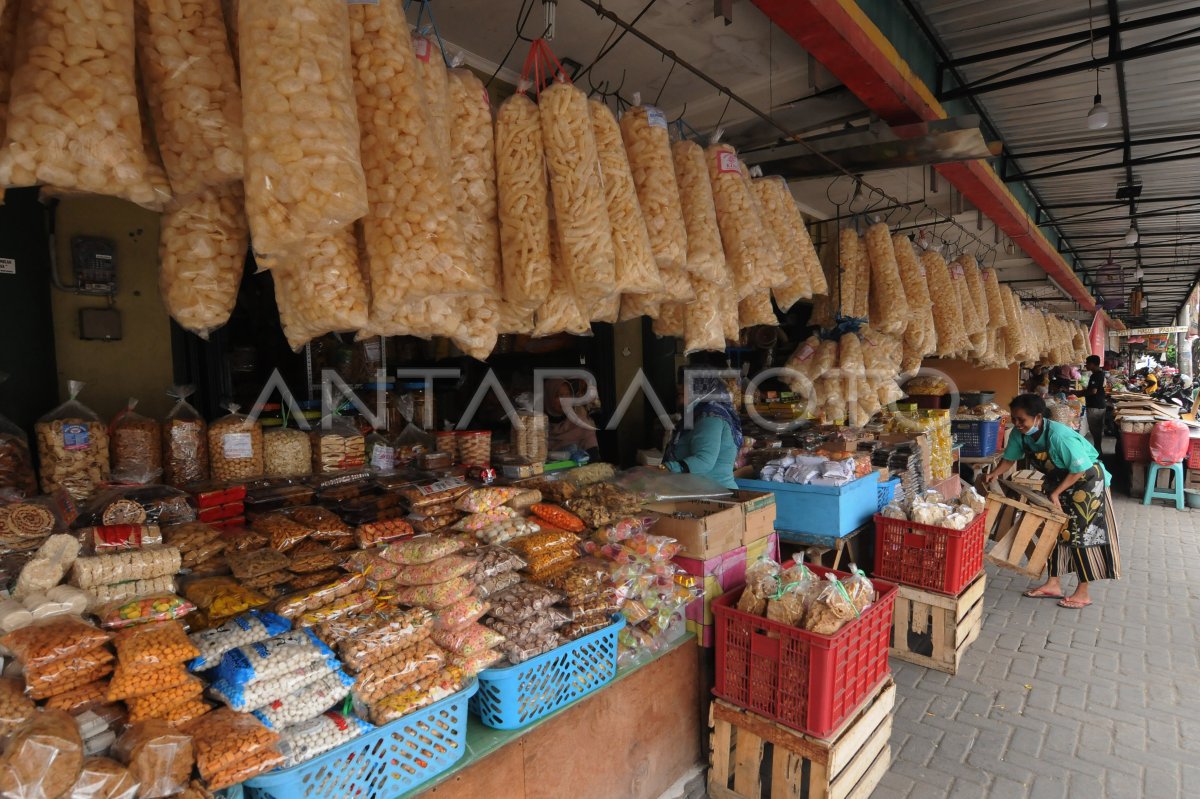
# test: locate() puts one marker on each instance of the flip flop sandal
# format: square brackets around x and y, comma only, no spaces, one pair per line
[1033,594]
[1070,604]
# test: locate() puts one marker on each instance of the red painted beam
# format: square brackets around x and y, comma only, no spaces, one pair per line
[853,49]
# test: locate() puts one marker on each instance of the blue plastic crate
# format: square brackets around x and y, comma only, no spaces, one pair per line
[820,510]
[887,492]
[389,761]
[979,437]
[510,698]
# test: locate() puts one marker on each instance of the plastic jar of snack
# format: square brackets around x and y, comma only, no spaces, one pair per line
[475,447]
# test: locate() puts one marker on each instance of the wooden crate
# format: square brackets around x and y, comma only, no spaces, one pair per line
[934,630]
[752,757]
[1025,530]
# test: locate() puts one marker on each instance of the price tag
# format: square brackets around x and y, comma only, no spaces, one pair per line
[8,266]
[727,162]
[441,485]
[805,353]
[237,446]
[422,48]
[383,458]
[656,117]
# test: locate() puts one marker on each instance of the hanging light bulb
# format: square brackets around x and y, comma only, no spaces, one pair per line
[1131,235]
[1097,118]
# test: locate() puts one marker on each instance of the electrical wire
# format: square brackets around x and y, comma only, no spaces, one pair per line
[522,17]
[606,48]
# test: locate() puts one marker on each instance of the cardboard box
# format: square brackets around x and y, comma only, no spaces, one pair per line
[758,513]
[723,573]
[713,529]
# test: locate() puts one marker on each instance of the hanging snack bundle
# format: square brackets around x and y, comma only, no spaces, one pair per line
[202,253]
[644,130]
[888,307]
[581,213]
[16,463]
[304,176]
[783,220]
[192,90]
[235,447]
[72,448]
[86,96]
[947,309]
[742,233]
[524,208]
[319,286]
[637,271]
[705,255]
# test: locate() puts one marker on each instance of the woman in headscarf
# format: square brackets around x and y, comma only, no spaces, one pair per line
[710,447]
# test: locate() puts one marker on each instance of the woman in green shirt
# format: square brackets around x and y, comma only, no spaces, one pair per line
[711,446]
[1076,480]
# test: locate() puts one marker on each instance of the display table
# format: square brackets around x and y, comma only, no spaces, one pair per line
[632,738]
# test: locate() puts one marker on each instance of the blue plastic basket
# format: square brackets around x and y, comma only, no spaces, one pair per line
[979,437]
[389,761]
[511,697]
[887,492]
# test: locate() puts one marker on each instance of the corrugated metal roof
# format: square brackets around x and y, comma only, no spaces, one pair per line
[1161,96]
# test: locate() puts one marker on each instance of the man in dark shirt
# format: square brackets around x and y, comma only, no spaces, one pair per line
[1096,401]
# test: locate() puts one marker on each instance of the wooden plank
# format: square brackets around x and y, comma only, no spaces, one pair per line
[767,730]
[720,792]
[940,616]
[647,757]
[500,775]
[719,751]
[969,629]
[747,766]
[818,781]
[866,786]
[999,554]
[901,619]
[970,596]
[1042,552]
[787,774]
[1025,533]
[850,776]
[848,744]
[950,636]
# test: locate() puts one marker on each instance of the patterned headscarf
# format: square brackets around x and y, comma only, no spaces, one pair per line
[712,398]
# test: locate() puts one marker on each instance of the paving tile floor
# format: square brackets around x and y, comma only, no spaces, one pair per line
[1102,703]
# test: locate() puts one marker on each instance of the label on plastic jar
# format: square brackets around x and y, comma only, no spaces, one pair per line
[383,457]
[76,437]
[727,162]
[656,117]
[237,446]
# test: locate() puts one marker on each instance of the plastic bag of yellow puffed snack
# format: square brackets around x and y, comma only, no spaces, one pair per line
[193,93]
[562,312]
[202,252]
[648,145]
[581,213]
[412,231]
[304,174]
[705,255]
[636,267]
[524,209]
[319,287]
[783,219]
[742,233]
[73,120]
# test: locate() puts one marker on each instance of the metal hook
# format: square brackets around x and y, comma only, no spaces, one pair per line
[829,194]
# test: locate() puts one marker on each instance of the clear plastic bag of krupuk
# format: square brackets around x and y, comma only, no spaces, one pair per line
[314,737]
[648,145]
[72,447]
[319,286]
[762,582]
[523,197]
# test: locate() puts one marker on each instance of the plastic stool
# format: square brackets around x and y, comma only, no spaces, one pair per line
[1175,494]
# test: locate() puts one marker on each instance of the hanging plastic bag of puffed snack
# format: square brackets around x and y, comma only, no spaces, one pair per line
[202,253]
[978,293]
[73,120]
[72,447]
[771,270]
[561,312]
[581,213]
[523,195]
[304,174]
[318,287]
[702,326]
[916,291]
[947,310]
[889,306]
[783,219]
[192,89]
[853,268]
[431,67]
[828,393]
[8,46]
[412,233]
[972,323]
[757,310]
[637,270]
[742,233]
[135,447]
[800,365]
[995,302]
[705,255]
[185,441]
[648,145]
[852,372]
[17,477]
[670,320]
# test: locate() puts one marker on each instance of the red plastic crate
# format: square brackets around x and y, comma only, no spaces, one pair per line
[1136,447]
[1193,456]
[801,679]
[932,558]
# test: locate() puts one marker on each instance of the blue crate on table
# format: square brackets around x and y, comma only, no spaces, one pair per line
[511,697]
[820,510]
[979,437]
[887,492]
[391,760]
